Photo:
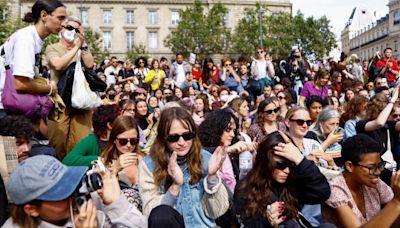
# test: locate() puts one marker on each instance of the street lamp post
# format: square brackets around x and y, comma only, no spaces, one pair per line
[260,13]
[80,9]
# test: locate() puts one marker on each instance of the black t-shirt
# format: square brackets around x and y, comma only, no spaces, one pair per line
[380,135]
[126,73]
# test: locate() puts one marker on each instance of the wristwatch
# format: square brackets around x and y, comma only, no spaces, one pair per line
[84,48]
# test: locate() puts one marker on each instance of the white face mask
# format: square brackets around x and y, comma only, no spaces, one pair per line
[224,98]
[69,35]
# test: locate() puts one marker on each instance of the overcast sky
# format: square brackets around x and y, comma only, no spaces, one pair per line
[338,11]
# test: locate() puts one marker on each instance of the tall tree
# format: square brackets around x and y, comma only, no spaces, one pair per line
[95,43]
[8,25]
[200,33]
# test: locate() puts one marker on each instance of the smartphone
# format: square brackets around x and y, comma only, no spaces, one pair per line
[339,130]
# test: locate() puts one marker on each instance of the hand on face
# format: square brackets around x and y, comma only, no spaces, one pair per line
[288,150]
[174,171]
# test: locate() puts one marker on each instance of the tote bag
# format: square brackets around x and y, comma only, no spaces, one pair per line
[82,96]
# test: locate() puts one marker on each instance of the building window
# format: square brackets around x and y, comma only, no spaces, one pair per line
[130,39]
[152,17]
[396,19]
[175,17]
[130,19]
[107,16]
[152,40]
[106,40]
[85,17]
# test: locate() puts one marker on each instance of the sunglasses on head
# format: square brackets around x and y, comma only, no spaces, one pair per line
[301,122]
[186,136]
[70,28]
[272,110]
[282,165]
[124,141]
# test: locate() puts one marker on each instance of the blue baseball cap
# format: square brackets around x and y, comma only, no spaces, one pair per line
[43,177]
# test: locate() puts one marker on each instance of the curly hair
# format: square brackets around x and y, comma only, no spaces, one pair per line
[260,182]
[375,105]
[137,61]
[17,126]
[102,116]
[353,108]
[210,133]
[160,151]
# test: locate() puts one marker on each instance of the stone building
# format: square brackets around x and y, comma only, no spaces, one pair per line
[365,34]
[124,23]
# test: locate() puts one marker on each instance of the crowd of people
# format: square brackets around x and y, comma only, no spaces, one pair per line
[248,142]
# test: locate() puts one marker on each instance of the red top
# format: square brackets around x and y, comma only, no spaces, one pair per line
[393,65]
[214,78]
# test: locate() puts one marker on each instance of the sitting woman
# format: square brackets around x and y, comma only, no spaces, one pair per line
[271,195]
[122,152]
[178,181]
[359,198]
[266,121]
[90,147]
[353,112]
[328,133]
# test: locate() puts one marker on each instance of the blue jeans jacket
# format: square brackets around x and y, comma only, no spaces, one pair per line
[189,203]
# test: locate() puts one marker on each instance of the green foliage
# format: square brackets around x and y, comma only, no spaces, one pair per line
[136,51]
[281,32]
[51,39]
[200,33]
[94,41]
[8,25]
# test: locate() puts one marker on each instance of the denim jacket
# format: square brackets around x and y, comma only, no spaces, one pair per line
[198,205]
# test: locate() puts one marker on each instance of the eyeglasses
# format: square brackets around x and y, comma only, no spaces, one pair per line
[272,110]
[396,115]
[281,97]
[186,136]
[301,122]
[141,62]
[167,93]
[282,165]
[124,141]
[372,170]
[70,28]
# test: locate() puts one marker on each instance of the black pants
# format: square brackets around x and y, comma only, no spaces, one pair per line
[166,217]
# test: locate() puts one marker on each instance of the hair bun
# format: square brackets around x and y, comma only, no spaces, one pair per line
[28,17]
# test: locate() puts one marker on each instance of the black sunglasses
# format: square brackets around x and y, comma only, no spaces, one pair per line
[282,165]
[396,115]
[124,141]
[301,122]
[186,136]
[272,110]
[70,28]
[281,97]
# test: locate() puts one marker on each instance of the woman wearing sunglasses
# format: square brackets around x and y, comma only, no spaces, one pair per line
[123,150]
[266,121]
[285,102]
[178,181]
[359,198]
[281,181]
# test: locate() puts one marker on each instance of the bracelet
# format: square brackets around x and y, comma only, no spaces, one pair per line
[51,90]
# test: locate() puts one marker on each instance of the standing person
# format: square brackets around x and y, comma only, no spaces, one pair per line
[112,71]
[75,124]
[318,87]
[178,181]
[164,66]
[263,69]
[155,76]
[179,69]
[22,49]
[388,67]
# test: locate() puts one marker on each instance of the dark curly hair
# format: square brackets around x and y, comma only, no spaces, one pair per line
[17,126]
[103,115]
[214,124]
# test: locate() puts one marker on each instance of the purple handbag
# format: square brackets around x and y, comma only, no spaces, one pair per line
[33,106]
